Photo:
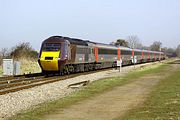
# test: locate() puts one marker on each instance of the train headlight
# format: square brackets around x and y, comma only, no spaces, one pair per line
[56,58]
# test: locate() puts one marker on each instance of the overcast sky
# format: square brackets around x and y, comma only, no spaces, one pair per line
[97,20]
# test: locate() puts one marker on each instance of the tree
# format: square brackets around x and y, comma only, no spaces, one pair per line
[164,49]
[178,51]
[156,46]
[4,53]
[170,52]
[145,48]
[23,50]
[134,42]
[121,42]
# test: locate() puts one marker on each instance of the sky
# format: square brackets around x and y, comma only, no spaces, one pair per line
[96,20]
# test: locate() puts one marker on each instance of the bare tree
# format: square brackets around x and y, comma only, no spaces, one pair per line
[134,42]
[4,52]
[156,46]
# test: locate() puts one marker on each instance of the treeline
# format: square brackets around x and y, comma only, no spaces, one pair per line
[135,43]
[19,52]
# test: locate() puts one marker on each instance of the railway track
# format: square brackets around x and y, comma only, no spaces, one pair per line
[16,83]
[13,84]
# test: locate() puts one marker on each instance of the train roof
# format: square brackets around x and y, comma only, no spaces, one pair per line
[71,40]
[106,46]
[124,48]
[149,51]
[56,39]
[137,50]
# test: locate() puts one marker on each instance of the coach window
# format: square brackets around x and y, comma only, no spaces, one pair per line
[125,52]
[101,51]
[138,53]
[80,51]
[114,52]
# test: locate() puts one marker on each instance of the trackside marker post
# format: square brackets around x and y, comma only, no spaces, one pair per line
[119,64]
[134,60]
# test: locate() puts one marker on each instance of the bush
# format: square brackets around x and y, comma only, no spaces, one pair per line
[23,51]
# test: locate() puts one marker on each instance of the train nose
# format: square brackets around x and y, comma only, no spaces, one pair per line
[49,61]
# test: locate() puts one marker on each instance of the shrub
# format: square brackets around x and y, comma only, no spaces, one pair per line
[23,50]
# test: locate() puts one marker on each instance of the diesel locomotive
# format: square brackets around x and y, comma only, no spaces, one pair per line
[66,55]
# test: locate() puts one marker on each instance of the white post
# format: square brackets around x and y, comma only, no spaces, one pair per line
[119,64]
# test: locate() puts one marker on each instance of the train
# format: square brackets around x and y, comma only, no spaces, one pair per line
[65,55]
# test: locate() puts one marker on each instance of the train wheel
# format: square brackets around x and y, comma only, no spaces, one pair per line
[86,67]
[66,70]
[71,69]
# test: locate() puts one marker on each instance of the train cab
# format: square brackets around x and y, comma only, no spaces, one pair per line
[54,51]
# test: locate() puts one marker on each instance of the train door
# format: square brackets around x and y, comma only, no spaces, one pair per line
[86,54]
[73,52]
[91,54]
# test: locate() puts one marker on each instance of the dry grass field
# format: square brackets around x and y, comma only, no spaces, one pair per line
[27,66]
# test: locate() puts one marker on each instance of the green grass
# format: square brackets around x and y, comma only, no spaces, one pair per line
[162,104]
[91,90]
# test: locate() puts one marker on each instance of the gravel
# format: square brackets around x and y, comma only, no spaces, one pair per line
[13,103]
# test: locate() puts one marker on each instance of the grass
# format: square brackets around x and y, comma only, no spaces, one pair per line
[30,67]
[162,104]
[91,90]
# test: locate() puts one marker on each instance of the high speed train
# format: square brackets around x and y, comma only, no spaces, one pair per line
[66,55]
